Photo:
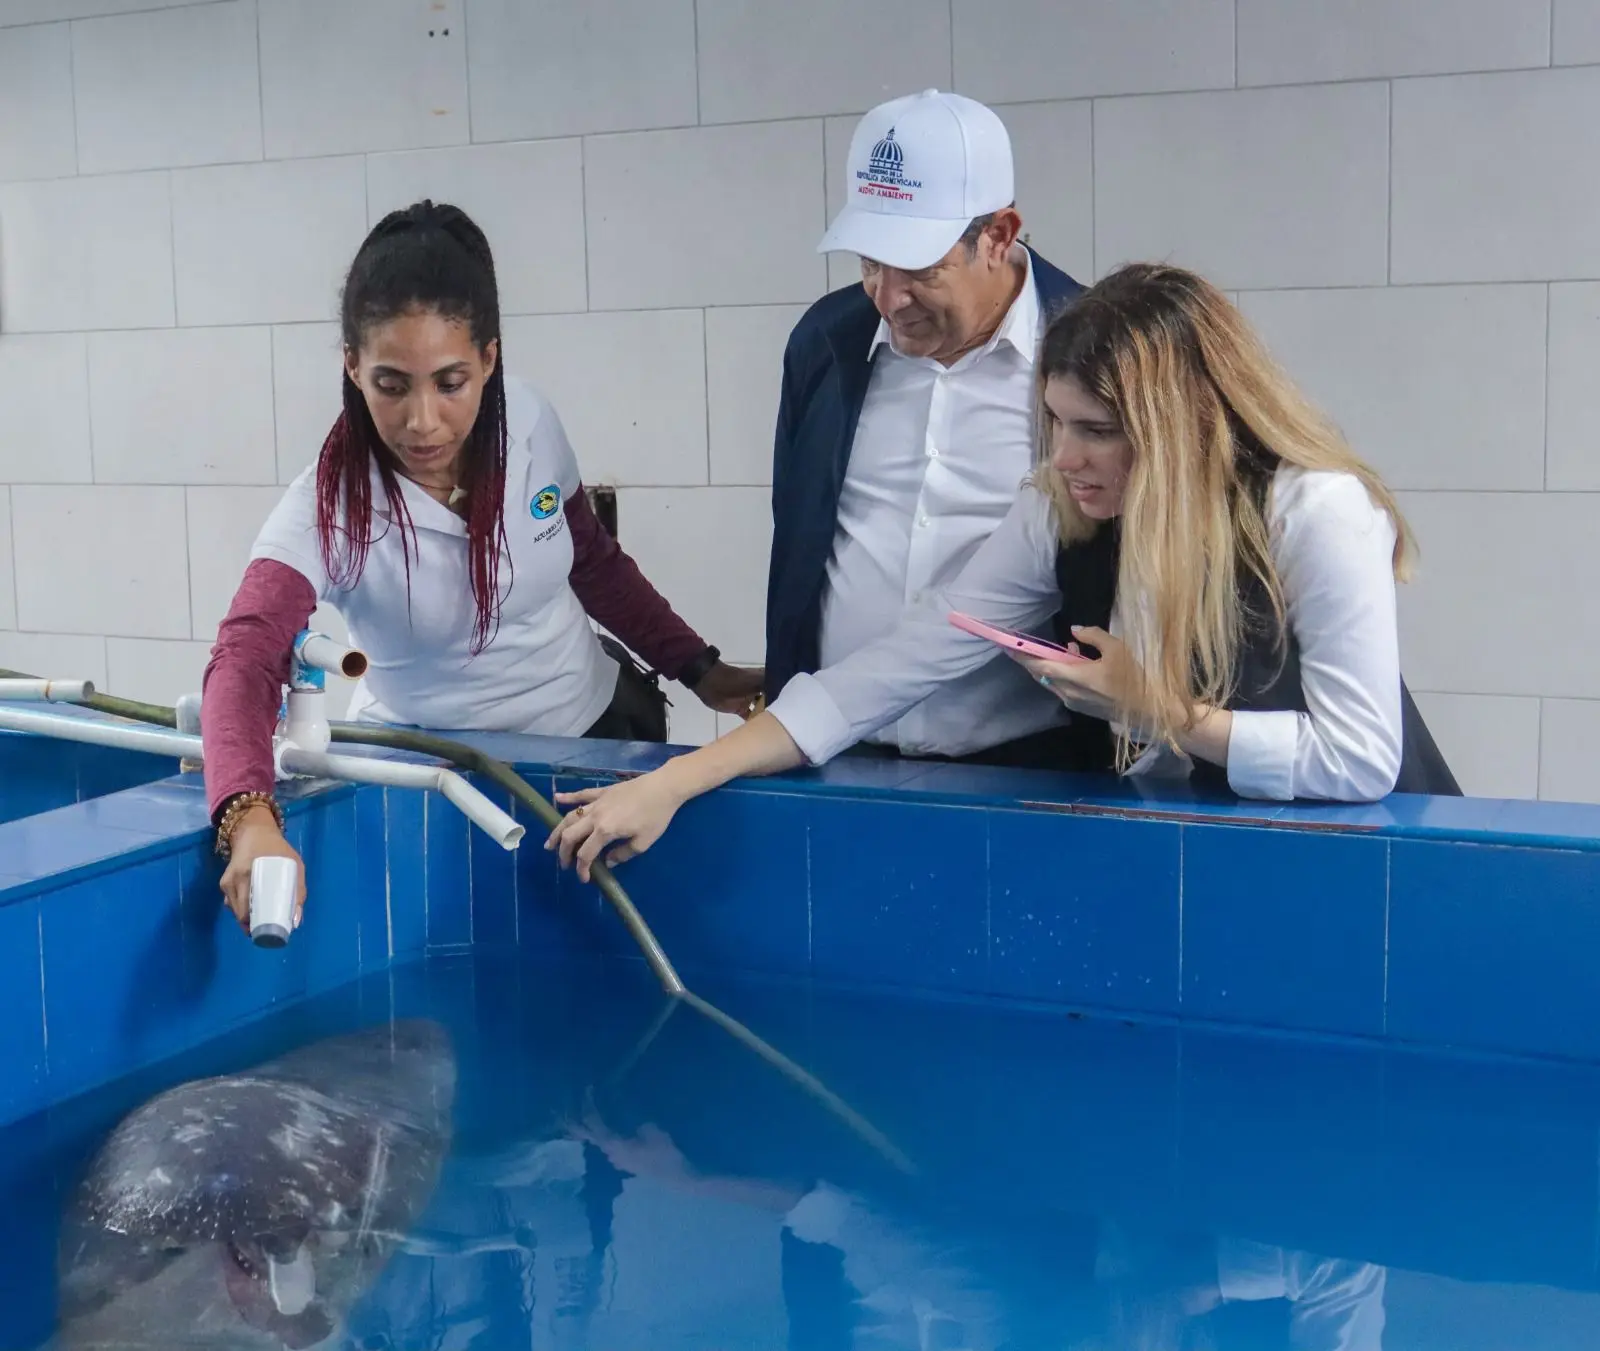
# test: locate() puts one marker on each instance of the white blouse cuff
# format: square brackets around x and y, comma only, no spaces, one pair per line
[810,716]
[1261,754]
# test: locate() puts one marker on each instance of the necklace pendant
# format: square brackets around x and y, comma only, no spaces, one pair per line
[457,494]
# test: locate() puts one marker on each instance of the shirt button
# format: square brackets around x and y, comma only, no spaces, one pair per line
[933,452]
[923,519]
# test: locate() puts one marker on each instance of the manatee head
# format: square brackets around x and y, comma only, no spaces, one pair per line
[254,1210]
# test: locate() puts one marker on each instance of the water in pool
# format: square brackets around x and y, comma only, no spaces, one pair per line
[600,1178]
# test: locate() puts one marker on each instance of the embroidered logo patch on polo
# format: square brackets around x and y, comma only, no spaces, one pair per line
[546,502]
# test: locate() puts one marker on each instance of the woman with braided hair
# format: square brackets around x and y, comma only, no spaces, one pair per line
[445,520]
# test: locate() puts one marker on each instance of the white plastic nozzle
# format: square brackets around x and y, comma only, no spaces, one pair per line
[273,884]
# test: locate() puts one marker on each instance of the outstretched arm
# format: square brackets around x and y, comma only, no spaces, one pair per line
[633,814]
[1009,581]
[240,693]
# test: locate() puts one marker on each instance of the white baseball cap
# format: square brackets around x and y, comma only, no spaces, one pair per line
[920,169]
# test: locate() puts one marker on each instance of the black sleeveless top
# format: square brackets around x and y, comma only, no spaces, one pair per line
[1268,678]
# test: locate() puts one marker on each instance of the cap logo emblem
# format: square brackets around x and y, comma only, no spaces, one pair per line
[885,174]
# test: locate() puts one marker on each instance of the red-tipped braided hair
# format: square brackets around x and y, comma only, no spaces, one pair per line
[429,258]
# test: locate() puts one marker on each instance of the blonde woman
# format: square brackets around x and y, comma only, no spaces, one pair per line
[1219,563]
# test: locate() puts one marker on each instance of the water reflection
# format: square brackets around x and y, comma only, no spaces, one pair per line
[1080,1187]
[603,1240]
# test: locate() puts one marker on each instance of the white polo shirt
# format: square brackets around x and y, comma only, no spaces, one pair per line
[938,456]
[544,672]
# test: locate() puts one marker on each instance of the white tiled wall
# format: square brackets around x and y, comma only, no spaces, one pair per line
[1401,195]
[159,90]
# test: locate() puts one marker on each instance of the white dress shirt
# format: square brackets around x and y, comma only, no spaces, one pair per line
[938,456]
[1333,549]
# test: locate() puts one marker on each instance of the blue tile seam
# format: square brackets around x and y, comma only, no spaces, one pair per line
[988,901]
[1388,903]
[44,1015]
[388,880]
[1183,834]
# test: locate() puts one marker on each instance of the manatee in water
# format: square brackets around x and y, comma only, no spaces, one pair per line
[253,1210]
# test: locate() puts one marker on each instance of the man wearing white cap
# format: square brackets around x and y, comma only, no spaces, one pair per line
[906,422]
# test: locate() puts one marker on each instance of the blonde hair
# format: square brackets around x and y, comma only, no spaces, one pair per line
[1202,405]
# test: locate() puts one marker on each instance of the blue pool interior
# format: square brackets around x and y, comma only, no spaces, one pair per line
[1341,1066]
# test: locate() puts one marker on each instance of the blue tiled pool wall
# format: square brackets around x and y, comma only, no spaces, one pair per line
[1411,923]
[1436,922]
[36,779]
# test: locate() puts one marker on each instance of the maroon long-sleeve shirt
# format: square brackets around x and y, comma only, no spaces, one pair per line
[250,660]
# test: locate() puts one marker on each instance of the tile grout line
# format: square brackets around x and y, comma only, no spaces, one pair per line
[472,890]
[172,247]
[951,10]
[261,86]
[44,1015]
[154,8]
[1377,287]
[11,548]
[188,564]
[988,901]
[388,879]
[1549,304]
[1182,834]
[88,387]
[695,14]
[822,126]
[810,924]
[1388,200]
[72,79]
[705,357]
[1388,900]
[466,62]
[1236,44]
[272,376]
[583,192]
[653,130]
[1094,202]
[1538,748]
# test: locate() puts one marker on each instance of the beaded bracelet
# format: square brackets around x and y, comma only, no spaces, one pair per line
[237,807]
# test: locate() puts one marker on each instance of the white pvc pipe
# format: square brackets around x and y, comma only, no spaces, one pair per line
[46,691]
[124,736]
[497,823]
[321,651]
[505,831]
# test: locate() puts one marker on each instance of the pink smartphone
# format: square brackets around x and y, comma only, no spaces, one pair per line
[1012,641]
